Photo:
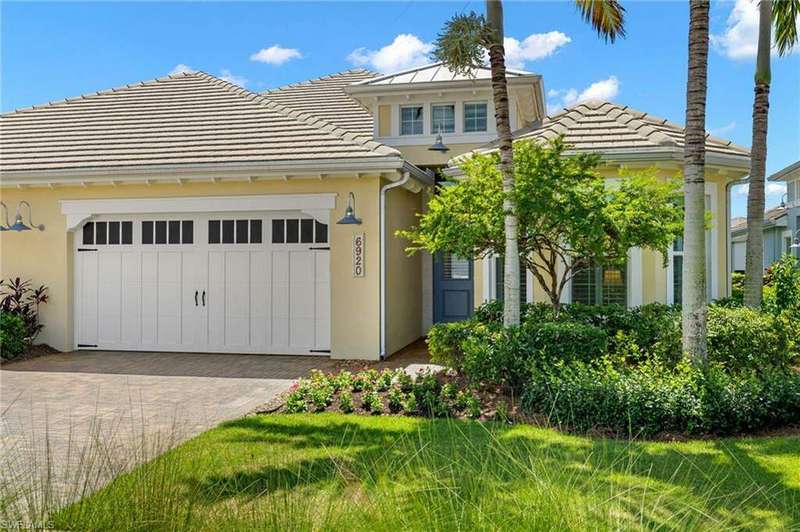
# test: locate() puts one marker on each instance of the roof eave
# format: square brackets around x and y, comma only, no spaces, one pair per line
[436,85]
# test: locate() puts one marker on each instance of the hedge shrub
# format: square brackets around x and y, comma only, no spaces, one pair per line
[12,335]
[652,398]
[741,338]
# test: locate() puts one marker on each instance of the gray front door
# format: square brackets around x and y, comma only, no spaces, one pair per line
[452,288]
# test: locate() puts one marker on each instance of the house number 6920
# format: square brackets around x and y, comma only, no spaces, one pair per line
[358,255]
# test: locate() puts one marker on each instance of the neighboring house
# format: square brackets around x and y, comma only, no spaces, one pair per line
[791,175]
[188,214]
[776,238]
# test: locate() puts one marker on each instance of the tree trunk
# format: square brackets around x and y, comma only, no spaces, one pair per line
[694,237]
[511,295]
[754,258]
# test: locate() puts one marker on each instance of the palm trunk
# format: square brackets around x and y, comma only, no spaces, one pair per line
[754,258]
[694,260]
[511,304]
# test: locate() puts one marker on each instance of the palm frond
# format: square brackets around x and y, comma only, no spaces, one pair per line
[785,15]
[607,17]
[462,43]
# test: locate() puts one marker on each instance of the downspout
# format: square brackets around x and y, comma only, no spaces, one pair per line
[384,189]
[728,236]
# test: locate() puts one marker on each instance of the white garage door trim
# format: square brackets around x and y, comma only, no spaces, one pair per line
[317,206]
[253,297]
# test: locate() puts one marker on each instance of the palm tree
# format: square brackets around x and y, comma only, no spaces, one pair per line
[784,13]
[461,47]
[694,259]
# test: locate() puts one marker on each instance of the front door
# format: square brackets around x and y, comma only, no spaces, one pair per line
[452,288]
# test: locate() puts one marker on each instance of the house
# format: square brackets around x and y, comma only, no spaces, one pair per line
[776,238]
[791,175]
[188,214]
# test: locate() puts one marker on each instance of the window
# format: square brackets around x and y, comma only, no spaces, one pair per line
[298,231]
[500,276]
[475,117]
[234,231]
[107,233]
[411,120]
[455,267]
[443,118]
[164,232]
[600,285]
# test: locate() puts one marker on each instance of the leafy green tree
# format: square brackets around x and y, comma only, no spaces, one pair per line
[461,46]
[570,217]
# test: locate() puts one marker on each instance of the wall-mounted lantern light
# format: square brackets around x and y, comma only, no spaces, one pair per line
[349,217]
[796,243]
[7,226]
[438,145]
[19,225]
[783,200]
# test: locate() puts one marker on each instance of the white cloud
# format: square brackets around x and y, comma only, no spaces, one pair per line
[606,89]
[180,68]
[770,188]
[723,130]
[228,76]
[533,47]
[276,55]
[776,188]
[405,51]
[740,39]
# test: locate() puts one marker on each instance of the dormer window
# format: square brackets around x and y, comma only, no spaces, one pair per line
[443,118]
[411,120]
[475,114]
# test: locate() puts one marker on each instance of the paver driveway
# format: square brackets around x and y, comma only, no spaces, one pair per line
[121,408]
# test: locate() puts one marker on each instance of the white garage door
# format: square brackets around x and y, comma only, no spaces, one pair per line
[235,283]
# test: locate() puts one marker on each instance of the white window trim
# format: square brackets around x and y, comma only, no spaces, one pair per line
[711,277]
[455,117]
[400,119]
[318,206]
[464,117]
[490,281]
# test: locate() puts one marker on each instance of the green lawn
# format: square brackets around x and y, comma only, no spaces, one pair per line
[334,472]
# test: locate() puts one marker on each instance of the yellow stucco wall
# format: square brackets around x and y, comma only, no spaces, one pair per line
[654,274]
[404,272]
[422,156]
[46,257]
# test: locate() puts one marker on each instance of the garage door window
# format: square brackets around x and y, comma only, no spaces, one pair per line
[107,233]
[234,231]
[299,231]
[168,232]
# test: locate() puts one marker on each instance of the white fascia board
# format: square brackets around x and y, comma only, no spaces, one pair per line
[221,171]
[316,205]
[436,86]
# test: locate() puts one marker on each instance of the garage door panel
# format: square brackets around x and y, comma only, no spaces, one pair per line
[322,296]
[109,280]
[237,298]
[131,298]
[149,297]
[87,317]
[169,298]
[259,300]
[215,303]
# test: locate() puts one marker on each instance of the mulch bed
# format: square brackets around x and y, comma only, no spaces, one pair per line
[33,351]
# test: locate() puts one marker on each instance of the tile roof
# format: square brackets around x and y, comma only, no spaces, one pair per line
[610,128]
[184,119]
[787,173]
[325,98]
[435,72]
[771,217]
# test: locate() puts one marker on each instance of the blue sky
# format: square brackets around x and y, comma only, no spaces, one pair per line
[56,50]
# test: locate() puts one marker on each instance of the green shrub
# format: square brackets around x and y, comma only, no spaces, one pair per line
[445,340]
[653,398]
[12,335]
[741,338]
[564,341]
[501,357]
[786,283]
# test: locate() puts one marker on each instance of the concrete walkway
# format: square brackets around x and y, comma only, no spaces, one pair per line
[84,417]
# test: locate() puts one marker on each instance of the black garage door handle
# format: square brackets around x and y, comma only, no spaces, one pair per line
[204,298]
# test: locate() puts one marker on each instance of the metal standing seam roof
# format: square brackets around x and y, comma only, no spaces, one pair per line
[606,127]
[325,98]
[435,72]
[189,118]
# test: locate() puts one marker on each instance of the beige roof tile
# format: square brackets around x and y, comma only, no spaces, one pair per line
[191,118]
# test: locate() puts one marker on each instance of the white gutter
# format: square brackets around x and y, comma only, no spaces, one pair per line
[384,189]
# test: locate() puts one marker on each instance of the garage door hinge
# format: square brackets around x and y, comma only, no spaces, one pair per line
[319,350]
[86,345]
[87,249]
[322,248]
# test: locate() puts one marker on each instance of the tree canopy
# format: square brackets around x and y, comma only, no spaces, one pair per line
[570,217]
